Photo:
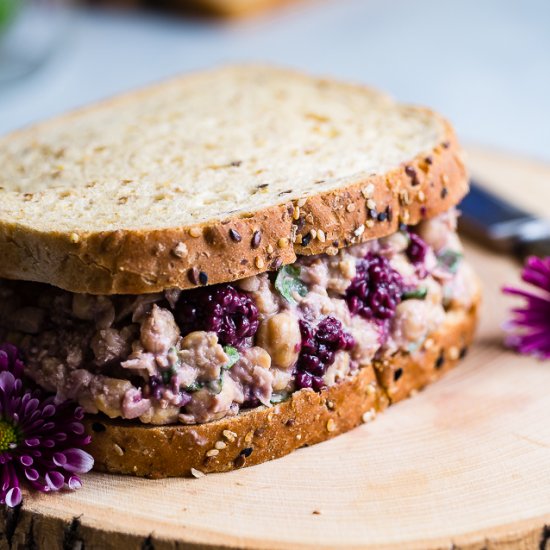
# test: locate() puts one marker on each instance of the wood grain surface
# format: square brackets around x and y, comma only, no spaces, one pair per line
[465,464]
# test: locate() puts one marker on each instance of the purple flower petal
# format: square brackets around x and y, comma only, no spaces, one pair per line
[78,461]
[55,480]
[59,459]
[14,497]
[48,410]
[31,474]
[529,328]
[77,428]
[32,442]
[74,483]
[26,460]
[7,381]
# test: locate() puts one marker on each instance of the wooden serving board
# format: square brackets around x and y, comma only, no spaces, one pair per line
[465,464]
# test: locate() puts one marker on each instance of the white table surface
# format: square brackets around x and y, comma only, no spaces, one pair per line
[483,63]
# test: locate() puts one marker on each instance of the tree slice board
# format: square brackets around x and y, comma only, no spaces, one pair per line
[464,464]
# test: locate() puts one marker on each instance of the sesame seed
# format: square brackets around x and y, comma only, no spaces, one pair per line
[197,473]
[313,233]
[405,216]
[220,445]
[195,232]
[330,405]
[301,202]
[296,213]
[269,249]
[259,262]
[331,251]
[368,415]
[321,235]
[371,204]
[454,353]
[445,179]
[298,239]
[429,344]
[421,196]
[229,435]
[248,437]
[359,231]
[404,198]
[74,238]
[331,425]
[368,191]
[371,389]
[369,223]
[118,450]
[180,250]
[350,207]
[256,239]
[298,436]
[282,243]
[212,452]
[235,235]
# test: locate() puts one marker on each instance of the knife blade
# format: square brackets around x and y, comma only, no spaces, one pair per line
[502,226]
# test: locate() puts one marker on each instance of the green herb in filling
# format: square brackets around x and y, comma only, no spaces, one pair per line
[233,356]
[288,283]
[419,293]
[449,259]
[279,397]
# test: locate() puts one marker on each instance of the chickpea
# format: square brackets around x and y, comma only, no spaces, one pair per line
[280,337]
[159,331]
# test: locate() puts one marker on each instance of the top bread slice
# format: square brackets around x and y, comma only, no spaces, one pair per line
[216,176]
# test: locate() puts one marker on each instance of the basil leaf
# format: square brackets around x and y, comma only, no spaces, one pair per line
[288,282]
[419,293]
[450,260]
[233,356]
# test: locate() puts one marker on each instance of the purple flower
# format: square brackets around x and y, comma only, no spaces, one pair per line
[530,326]
[40,441]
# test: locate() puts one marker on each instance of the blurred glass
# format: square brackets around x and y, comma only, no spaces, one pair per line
[30,30]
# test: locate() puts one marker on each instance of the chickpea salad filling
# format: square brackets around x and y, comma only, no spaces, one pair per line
[199,355]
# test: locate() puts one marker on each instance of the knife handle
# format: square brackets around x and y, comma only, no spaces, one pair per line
[496,223]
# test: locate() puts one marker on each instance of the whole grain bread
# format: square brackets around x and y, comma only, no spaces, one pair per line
[267,433]
[216,176]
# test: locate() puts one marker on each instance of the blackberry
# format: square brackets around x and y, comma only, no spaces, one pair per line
[319,347]
[222,309]
[376,289]
[417,249]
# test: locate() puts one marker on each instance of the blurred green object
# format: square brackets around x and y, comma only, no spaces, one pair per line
[8,10]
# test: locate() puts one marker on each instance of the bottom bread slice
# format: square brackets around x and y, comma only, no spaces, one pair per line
[266,433]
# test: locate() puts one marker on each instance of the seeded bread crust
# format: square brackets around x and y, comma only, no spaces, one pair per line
[267,433]
[136,261]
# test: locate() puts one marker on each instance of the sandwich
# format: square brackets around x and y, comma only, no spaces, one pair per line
[226,267]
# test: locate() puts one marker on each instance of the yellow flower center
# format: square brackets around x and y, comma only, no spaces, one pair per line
[8,436]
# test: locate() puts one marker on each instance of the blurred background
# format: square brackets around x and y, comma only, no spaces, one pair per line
[485,64]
